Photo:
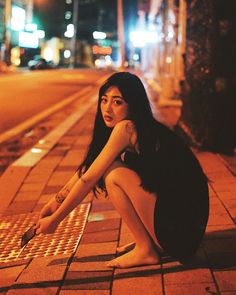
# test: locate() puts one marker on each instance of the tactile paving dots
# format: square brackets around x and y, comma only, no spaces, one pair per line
[63,241]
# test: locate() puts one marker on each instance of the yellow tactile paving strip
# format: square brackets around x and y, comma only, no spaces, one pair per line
[65,239]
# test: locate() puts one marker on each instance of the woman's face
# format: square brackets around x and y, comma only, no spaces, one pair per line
[113,107]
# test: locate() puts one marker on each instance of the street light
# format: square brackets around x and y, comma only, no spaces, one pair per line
[7,31]
[120,25]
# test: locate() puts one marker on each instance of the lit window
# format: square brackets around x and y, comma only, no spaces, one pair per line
[68,1]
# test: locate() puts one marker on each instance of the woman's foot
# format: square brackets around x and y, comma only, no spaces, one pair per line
[136,257]
[126,248]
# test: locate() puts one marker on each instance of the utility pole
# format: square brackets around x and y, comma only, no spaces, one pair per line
[7,31]
[74,38]
[120,25]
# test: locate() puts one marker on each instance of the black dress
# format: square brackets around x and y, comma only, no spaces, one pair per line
[182,207]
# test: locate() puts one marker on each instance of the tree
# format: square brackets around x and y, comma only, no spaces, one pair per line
[209,102]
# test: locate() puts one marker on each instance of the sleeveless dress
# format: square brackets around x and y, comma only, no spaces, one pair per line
[182,207]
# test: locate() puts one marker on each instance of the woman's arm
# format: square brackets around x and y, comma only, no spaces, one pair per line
[118,141]
[49,208]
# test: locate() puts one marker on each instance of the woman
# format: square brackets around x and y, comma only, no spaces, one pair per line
[150,175]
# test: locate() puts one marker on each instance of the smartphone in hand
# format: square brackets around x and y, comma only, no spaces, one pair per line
[28,235]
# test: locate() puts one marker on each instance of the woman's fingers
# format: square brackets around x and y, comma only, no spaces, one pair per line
[37,227]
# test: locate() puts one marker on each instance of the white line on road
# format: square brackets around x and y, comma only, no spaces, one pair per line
[35,119]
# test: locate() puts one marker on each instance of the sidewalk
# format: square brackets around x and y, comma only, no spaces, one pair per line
[72,260]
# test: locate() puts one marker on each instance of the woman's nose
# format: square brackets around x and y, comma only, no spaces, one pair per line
[108,107]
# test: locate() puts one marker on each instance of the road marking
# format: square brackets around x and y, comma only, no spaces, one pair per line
[45,144]
[35,119]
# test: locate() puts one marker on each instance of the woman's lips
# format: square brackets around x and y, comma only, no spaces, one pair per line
[108,118]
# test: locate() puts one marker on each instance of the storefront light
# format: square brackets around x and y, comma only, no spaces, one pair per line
[40,34]
[48,53]
[27,39]
[17,18]
[67,53]
[141,38]
[70,31]
[99,35]
[31,27]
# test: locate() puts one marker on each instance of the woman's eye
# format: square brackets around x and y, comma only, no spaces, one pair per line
[103,100]
[118,102]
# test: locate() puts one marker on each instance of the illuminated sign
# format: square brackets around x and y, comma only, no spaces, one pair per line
[31,27]
[29,40]
[17,18]
[102,50]
[99,35]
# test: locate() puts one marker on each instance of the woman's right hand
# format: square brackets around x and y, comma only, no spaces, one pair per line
[49,208]
[54,203]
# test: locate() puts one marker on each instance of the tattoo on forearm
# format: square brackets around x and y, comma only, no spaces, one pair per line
[61,195]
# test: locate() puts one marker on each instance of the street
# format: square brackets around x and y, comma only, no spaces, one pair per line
[27,94]
[25,117]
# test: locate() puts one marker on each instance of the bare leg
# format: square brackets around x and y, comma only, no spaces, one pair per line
[123,186]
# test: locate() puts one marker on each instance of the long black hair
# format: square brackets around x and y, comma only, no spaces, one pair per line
[134,93]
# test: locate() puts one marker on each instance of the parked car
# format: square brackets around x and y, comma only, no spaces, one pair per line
[39,63]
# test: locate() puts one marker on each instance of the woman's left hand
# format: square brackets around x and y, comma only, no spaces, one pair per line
[46,225]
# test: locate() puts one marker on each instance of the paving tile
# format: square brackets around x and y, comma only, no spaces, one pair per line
[219,219]
[102,206]
[84,292]
[20,207]
[231,203]
[14,263]
[103,215]
[45,269]
[93,249]
[88,280]
[51,189]
[72,168]
[35,178]
[9,187]
[220,245]
[217,209]
[220,231]
[32,187]
[215,200]
[191,289]
[34,289]
[226,280]
[138,281]
[58,152]
[92,266]
[96,226]
[98,237]
[66,140]
[41,172]
[59,178]
[187,276]
[26,196]
[9,275]
[227,195]
[222,260]
[45,198]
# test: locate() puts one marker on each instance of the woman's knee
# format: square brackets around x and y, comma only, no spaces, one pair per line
[112,174]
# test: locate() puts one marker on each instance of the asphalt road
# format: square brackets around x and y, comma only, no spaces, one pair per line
[26,94]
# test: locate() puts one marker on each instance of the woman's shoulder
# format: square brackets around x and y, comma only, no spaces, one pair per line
[125,126]
[125,132]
